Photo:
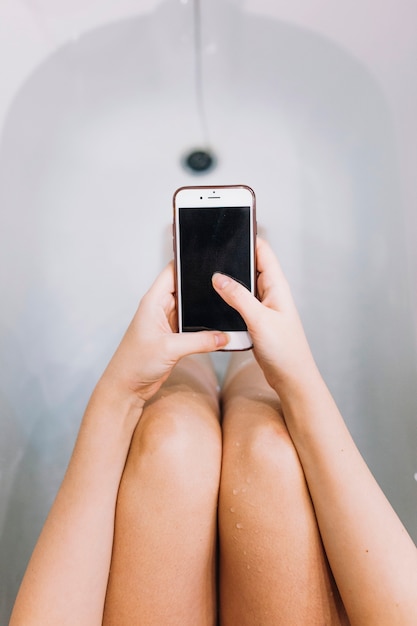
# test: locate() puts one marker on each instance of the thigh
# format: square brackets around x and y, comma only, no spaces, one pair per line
[273,569]
[163,562]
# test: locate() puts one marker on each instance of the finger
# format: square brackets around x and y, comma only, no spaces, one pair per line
[237,296]
[265,256]
[273,289]
[161,293]
[164,283]
[182,344]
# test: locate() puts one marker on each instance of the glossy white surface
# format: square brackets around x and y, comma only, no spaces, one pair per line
[90,155]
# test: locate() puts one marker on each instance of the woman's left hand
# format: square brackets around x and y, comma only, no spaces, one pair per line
[151,346]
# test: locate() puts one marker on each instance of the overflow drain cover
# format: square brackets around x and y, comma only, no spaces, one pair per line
[199,161]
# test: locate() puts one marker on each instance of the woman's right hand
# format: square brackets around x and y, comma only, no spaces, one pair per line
[280,345]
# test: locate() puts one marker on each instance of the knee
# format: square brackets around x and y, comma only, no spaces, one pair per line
[180,443]
[264,452]
[272,449]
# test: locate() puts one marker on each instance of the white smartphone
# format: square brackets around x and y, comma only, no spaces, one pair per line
[214,231]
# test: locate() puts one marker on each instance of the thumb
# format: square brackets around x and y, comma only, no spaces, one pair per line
[182,344]
[237,296]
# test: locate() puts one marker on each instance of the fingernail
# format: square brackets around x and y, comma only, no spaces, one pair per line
[221,340]
[220,280]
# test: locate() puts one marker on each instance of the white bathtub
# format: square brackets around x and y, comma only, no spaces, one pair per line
[312,108]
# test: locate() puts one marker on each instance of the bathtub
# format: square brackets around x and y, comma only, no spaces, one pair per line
[312,108]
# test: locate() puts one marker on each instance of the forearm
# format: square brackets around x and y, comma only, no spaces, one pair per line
[65,582]
[66,579]
[372,557]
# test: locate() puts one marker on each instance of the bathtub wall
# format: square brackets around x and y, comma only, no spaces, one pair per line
[382,37]
[383,40]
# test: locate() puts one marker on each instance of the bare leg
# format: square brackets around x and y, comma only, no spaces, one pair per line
[163,563]
[273,569]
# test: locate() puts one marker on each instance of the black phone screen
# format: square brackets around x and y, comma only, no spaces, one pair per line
[213,239]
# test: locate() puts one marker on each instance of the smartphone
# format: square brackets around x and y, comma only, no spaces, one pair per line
[214,231]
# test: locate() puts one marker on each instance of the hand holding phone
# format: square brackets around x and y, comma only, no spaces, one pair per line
[280,344]
[214,231]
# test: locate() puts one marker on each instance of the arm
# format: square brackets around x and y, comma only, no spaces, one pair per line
[66,579]
[372,557]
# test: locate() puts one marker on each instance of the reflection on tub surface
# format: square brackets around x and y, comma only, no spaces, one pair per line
[89,159]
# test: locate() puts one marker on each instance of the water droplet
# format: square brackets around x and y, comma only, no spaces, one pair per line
[237,444]
[235,492]
[239,525]
[232,509]
[248,566]
[244,490]
[244,552]
[415,476]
